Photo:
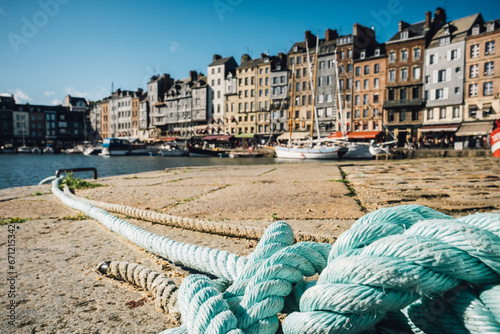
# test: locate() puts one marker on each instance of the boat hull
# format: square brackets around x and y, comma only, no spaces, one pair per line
[174,153]
[309,153]
[358,152]
[199,152]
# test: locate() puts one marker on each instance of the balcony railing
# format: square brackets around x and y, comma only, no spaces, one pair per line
[404,103]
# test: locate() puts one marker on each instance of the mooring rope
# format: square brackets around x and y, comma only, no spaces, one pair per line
[163,289]
[392,264]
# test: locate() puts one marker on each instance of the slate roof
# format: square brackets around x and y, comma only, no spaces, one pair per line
[415,30]
[221,61]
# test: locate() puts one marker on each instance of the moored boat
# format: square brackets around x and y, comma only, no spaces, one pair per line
[117,146]
[207,152]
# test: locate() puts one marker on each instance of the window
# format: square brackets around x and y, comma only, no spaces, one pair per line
[390,94]
[349,67]
[488,88]
[349,53]
[456,112]
[390,116]
[299,59]
[489,68]
[329,80]
[375,112]
[329,98]
[457,90]
[357,85]
[377,52]
[404,74]
[362,54]
[402,94]
[366,84]
[297,87]
[431,59]
[358,70]
[416,53]
[404,34]
[444,40]
[474,71]
[416,73]
[430,113]
[342,54]
[321,65]
[442,113]
[356,100]
[341,84]
[404,55]
[365,99]
[439,94]
[365,113]
[474,51]
[427,78]
[321,81]
[457,70]
[475,30]
[414,115]
[321,98]
[392,75]
[472,111]
[402,116]
[453,54]
[441,75]
[376,68]
[472,90]
[356,113]
[367,69]
[415,92]
[375,98]
[392,57]
[490,48]
[376,83]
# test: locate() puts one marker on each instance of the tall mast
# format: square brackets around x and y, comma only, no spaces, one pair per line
[339,100]
[290,110]
[315,116]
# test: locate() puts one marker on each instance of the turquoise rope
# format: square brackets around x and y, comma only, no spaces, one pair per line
[389,270]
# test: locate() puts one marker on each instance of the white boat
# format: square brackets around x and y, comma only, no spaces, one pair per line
[173,151]
[23,149]
[315,152]
[117,146]
[93,150]
[36,150]
[48,150]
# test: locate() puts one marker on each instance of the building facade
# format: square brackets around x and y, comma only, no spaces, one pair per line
[404,101]
[444,78]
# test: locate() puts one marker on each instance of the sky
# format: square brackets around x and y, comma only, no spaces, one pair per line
[52,48]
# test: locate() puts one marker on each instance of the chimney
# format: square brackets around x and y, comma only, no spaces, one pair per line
[330,34]
[217,57]
[355,31]
[193,75]
[262,56]
[403,25]
[428,17]
[245,58]
[310,38]
[440,16]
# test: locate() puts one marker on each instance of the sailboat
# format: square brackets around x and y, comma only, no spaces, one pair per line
[24,148]
[314,148]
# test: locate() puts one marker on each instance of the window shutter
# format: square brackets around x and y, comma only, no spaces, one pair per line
[459,53]
[435,76]
[445,92]
[427,59]
[433,94]
[448,74]
[436,57]
[448,55]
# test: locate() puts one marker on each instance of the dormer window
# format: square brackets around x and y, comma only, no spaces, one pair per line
[475,29]
[446,29]
[444,40]
[490,27]
[295,48]
[377,52]
[362,55]
[404,34]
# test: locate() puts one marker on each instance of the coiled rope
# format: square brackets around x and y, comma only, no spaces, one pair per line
[390,260]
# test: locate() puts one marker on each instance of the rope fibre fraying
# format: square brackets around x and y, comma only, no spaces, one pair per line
[389,262]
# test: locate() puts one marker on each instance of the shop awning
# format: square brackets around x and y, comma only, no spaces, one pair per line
[336,134]
[440,128]
[244,135]
[218,137]
[475,129]
[363,134]
[295,136]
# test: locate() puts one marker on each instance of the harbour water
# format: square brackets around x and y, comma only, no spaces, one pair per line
[17,170]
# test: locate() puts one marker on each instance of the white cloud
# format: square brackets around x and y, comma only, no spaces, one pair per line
[20,96]
[174,46]
[56,102]
[75,93]
[49,93]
